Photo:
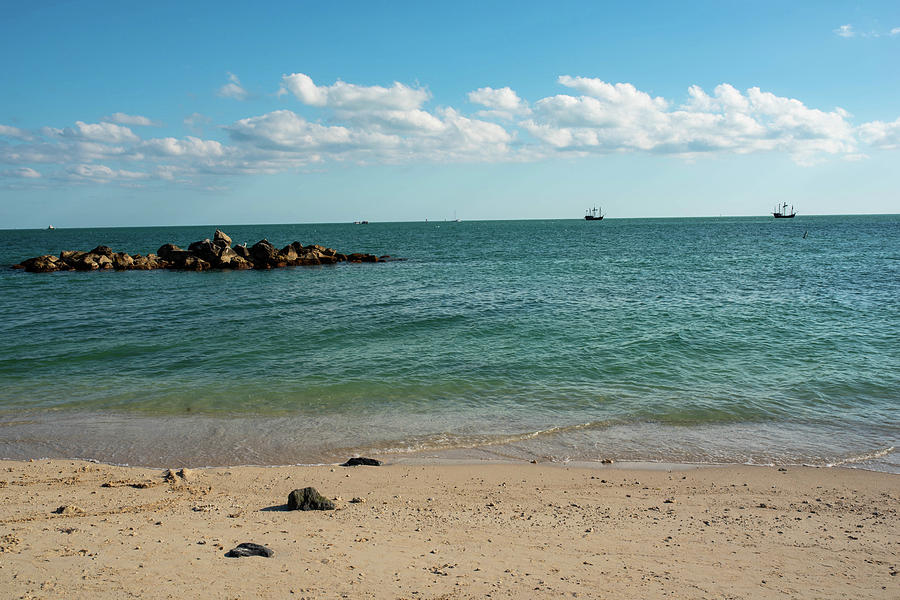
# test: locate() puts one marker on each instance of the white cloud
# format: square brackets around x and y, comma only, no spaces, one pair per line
[23,172]
[233,89]
[108,133]
[393,125]
[123,119]
[845,31]
[618,94]
[895,31]
[503,103]
[381,136]
[285,130]
[189,146]
[881,135]
[14,132]
[102,173]
[351,97]
[621,118]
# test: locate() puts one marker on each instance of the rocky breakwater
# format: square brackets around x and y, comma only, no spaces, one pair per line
[202,255]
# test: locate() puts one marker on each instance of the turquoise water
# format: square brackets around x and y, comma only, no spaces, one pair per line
[711,340]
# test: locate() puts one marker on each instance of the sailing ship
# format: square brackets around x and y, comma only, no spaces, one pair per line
[593,214]
[781,212]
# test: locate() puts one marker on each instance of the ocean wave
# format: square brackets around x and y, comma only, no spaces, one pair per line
[449,441]
[862,457]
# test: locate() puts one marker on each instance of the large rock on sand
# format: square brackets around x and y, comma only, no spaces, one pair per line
[362,461]
[308,499]
[249,549]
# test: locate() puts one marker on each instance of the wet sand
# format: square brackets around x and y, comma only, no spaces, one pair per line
[449,531]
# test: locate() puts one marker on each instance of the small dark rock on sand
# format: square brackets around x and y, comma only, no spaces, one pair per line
[308,499]
[362,461]
[249,549]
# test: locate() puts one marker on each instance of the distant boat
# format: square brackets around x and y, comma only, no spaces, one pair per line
[360,222]
[782,213]
[51,228]
[593,214]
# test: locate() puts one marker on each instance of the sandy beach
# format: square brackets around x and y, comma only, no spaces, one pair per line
[85,530]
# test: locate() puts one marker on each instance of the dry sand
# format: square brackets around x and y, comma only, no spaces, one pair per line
[449,531]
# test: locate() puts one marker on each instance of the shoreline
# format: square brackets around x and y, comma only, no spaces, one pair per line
[159,442]
[435,461]
[464,530]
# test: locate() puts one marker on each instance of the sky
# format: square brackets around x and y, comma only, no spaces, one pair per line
[196,113]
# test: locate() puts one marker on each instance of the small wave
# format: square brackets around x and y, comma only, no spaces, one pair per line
[862,457]
[460,442]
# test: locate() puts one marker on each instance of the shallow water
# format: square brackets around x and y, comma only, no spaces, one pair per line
[681,340]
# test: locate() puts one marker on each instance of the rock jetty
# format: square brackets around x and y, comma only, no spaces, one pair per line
[202,255]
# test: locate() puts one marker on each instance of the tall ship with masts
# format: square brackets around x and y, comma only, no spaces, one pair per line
[781,212]
[593,214]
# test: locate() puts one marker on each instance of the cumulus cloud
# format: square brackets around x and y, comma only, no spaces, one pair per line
[189,146]
[351,97]
[502,103]
[845,31]
[345,122]
[619,117]
[285,130]
[504,98]
[233,89]
[881,135]
[134,120]
[108,133]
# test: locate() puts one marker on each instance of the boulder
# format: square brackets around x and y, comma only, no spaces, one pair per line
[249,549]
[242,251]
[176,258]
[221,236]
[85,262]
[322,250]
[102,251]
[289,254]
[239,263]
[166,250]
[71,255]
[309,258]
[122,261]
[357,257]
[103,261]
[308,499]
[42,264]
[193,263]
[206,250]
[141,263]
[263,254]
[226,255]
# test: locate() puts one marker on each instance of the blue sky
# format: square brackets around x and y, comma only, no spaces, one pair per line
[120,113]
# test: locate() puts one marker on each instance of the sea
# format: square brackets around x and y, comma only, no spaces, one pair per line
[746,340]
